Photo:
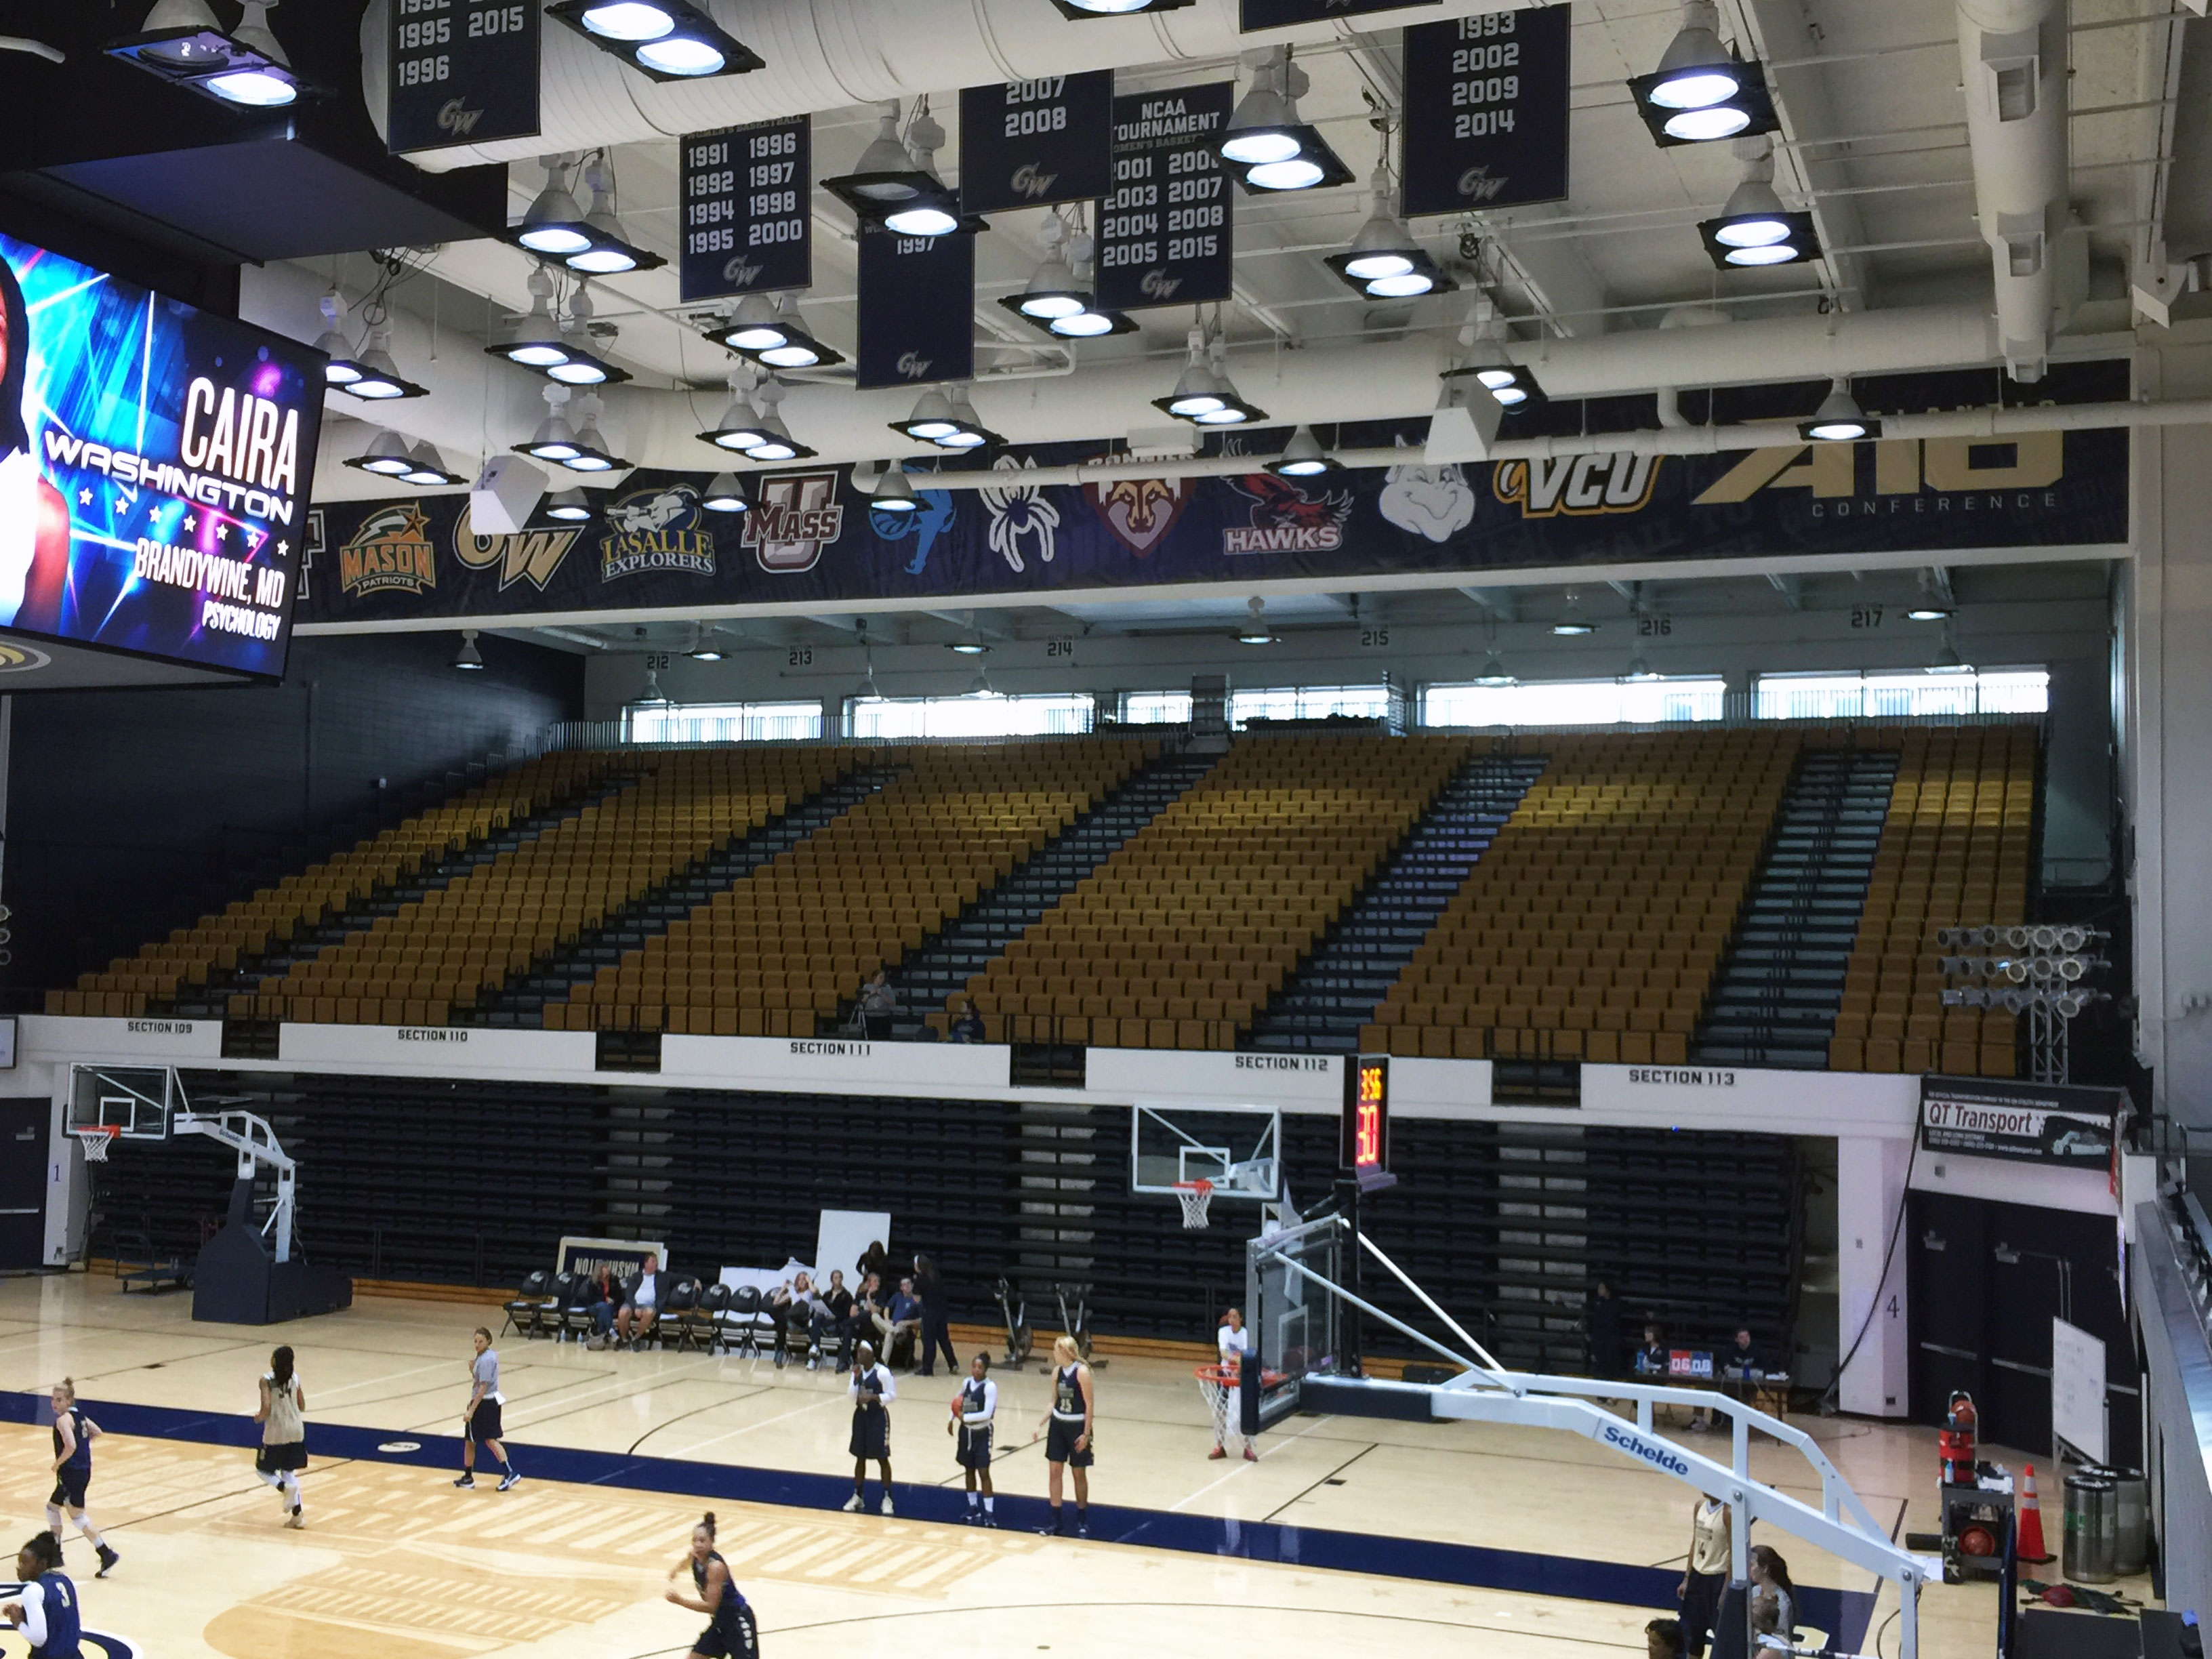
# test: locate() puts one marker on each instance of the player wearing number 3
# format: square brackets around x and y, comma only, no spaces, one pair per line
[48,1614]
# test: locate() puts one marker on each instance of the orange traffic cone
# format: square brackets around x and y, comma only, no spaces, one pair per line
[2030,1530]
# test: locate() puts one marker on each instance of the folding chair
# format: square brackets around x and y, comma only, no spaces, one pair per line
[676,1311]
[526,1310]
[702,1327]
[744,1320]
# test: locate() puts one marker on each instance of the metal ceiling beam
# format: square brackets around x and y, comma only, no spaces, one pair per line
[1500,602]
[1792,588]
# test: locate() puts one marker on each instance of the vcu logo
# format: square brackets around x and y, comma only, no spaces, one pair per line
[1577,485]
[795,518]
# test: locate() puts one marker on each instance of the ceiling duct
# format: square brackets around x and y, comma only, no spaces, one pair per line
[2013,59]
[830,54]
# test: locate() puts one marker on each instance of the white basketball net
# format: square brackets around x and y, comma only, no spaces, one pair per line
[1195,1196]
[95,1142]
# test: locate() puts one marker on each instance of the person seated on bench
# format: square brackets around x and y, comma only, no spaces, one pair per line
[641,1305]
[831,1320]
[901,1321]
[791,1305]
[600,1301]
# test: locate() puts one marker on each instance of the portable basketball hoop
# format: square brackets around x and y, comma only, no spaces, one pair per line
[1195,1196]
[96,1139]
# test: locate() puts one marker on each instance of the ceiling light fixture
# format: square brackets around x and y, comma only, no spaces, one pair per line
[892,493]
[769,330]
[554,439]
[1492,671]
[1754,229]
[739,428]
[570,506]
[535,339]
[1256,631]
[1059,298]
[968,432]
[1638,671]
[1700,92]
[580,364]
[553,225]
[725,494]
[593,453]
[932,420]
[340,370]
[182,43]
[1204,396]
[1920,612]
[387,456]
[592,242]
[703,649]
[1839,419]
[1080,10]
[1513,387]
[1303,458]
[469,659]
[427,468]
[1384,262]
[968,647]
[662,40]
[378,379]
[896,185]
[777,444]
[1266,143]
[1572,624]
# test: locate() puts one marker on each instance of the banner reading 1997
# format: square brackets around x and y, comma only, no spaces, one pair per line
[747,209]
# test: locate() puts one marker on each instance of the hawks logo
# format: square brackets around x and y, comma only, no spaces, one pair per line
[391,553]
[1139,511]
[531,556]
[1284,519]
[795,518]
[1577,485]
[656,532]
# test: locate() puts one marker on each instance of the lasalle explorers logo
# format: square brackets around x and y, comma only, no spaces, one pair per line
[656,532]
[391,553]
[796,516]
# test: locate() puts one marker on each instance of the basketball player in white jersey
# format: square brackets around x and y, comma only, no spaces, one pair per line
[973,1409]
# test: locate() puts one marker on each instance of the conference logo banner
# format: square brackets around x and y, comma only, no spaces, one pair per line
[2067,1126]
[812,537]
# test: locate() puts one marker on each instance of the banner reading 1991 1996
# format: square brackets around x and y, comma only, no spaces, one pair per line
[747,209]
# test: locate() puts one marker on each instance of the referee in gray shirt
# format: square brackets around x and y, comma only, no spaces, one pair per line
[480,1423]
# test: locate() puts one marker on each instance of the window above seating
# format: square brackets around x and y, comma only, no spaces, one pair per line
[722,722]
[1890,694]
[1656,700]
[978,715]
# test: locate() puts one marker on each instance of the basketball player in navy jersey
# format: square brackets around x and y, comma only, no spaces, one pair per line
[731,1632]
[973,1408]
[73,1436]
[1069,1442]
[48,1614]
[872,1391]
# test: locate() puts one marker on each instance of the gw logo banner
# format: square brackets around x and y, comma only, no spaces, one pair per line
[1577,484]
[1961,471]
[533,556]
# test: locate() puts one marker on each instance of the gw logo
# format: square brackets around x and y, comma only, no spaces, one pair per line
[1477,183]
[1577,484]
[1028,182]
[913,365]
[739,274]
[1158,285]
[458,119]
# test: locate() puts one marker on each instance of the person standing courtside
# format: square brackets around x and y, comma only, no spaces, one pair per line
[936,1321]
[480,1422]
[73,1433]
[973,1409]
[1068,1441]
[1707,1574]
[731,1632]
[872,1391]
[283,1451]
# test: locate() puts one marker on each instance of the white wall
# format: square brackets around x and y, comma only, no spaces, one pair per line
[1870,1174]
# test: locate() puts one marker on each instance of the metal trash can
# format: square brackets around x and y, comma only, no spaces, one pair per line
[2131,1537]
[2093,1519]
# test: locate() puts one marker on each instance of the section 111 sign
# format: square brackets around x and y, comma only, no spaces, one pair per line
[463,72]
[1486,111]
[1167,234]
[747,209]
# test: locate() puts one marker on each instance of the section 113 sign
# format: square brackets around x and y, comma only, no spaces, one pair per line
[463,72]
[1030,143]
[747,209]
[1486,111]
[1166,234]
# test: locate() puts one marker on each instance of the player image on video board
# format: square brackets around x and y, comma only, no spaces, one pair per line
[156,462]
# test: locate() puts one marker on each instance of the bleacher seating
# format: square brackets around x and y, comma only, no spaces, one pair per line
[1592,928]
[1954,851]
[439,953]
[778,951]
[1180,937]
[249,925]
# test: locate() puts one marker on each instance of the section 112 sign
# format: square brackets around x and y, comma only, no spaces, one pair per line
[1167,234]
[1486,111]
[747,209]
[463,72]
[154,465]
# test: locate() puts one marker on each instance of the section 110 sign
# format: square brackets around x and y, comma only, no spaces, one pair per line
[1486,111]
[747,209]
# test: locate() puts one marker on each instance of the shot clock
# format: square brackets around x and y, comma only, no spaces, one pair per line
[1366,1134]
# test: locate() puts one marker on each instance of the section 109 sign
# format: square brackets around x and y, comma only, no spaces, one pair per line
[747,209]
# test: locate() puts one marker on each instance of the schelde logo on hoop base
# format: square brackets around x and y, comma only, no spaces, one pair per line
[1660,1457]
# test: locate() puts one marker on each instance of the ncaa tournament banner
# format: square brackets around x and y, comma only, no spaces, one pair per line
[813,539]
[2069,1126]
[154,463]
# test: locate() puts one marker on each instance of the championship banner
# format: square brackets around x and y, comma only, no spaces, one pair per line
[748,227]
[917,314]
[462,73]
[1032,144]
[154,462]
[1485,111]
[2069,1127]
[812,538]
[1167,235]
